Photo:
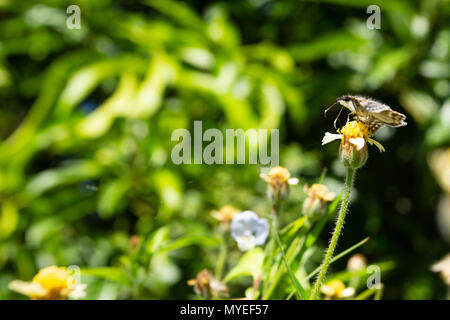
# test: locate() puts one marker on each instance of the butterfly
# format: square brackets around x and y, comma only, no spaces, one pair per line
[371,112]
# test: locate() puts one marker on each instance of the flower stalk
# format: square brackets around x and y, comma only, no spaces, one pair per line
[222,258]
[337,232]
[275,210]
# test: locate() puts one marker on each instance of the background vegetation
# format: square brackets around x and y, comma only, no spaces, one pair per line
[86,118]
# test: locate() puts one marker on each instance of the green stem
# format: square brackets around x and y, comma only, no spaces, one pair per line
[295,247]
[277,238]
[270,253]
[222,258]
[337,232]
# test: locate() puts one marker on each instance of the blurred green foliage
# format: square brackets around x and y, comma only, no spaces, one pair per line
[86,119]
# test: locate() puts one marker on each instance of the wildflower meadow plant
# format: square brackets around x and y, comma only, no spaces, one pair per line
[353,153]
[286,247]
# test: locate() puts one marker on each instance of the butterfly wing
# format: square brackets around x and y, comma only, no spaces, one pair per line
[390,117]
[374,125]
[381,113]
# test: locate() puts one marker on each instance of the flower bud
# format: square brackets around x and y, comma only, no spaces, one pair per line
[352,157]
[278,181]
[356,262]
[225,215]
[314,205]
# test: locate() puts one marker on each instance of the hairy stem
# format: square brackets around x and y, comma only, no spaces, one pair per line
[337,232]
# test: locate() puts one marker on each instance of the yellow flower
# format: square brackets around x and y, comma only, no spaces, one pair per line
[443,267]
[225,215]
[336,289]
[208,286]
[278,180]
[50,283]
[353,136]
[318,196]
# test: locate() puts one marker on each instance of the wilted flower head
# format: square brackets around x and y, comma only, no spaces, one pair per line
[356,262]
[208,286]
[443,266]
[248,230]
[278,180]
[336,289]
[50,283]
[353,136]
[225,215]
[315,204]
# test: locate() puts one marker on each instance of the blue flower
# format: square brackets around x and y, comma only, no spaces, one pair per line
[248,230]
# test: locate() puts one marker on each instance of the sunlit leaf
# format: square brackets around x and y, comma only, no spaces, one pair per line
[250,264]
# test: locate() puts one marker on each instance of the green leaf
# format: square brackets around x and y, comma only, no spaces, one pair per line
[387,66]
[347,275]
[250,264]
[293,227]
[157,240]
[326,44]
[191,240]
[9,218]
[114,274]
[367,293]
[392,5]
[340,255]
[74,172]
[111,197]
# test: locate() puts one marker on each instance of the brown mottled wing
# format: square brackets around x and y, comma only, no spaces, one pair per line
[381,112]
[390,117]
[374,125]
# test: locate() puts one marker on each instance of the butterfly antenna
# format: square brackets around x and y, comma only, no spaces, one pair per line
[326,110]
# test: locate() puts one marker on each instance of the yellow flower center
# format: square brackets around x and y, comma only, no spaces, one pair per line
[279,174]
[320,192]
[355,129]
[54,279]
[337,285]
[225,214]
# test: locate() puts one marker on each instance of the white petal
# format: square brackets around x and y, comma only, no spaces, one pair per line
[293,181]
[328,137]
[261,231]
[31,289]
[246,244]
[358,142]
[78,291]
[348,292]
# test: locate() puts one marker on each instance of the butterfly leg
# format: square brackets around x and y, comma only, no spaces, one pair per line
[335,120]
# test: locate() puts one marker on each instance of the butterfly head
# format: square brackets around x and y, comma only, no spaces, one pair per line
[347,101]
